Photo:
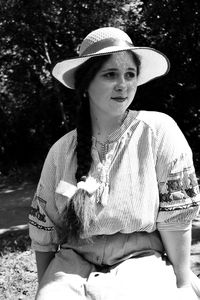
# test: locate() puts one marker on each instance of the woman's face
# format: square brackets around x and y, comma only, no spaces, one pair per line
[114,86]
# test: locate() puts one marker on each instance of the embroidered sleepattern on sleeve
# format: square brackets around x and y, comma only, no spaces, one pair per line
[44,211]
[178,185]
[41,226]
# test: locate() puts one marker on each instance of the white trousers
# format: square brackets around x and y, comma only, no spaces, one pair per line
[71,277]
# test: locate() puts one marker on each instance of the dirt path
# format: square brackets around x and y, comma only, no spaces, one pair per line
[14,206]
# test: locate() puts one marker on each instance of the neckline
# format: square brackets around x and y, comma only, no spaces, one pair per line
[115,135]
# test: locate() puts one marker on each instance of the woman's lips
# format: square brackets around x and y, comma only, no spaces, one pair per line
[119,99]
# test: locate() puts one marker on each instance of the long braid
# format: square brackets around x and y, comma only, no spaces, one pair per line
[74,214]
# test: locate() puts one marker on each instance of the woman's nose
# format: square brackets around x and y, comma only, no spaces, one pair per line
[120,84]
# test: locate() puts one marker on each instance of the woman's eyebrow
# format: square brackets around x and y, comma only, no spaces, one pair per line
[109,69]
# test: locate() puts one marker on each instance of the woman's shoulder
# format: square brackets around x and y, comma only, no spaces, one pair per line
[154,117]
[165,130]
[65,143]
[156,120]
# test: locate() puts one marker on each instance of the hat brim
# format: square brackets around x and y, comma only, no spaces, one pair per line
[154,64]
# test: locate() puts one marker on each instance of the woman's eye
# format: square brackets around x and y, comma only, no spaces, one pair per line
[130,75]
[109,75]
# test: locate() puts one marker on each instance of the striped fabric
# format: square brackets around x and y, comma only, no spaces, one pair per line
[147,181]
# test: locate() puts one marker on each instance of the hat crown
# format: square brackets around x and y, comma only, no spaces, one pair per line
[102,34]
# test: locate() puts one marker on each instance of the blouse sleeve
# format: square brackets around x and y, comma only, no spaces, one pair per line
[179,197]
[43,212]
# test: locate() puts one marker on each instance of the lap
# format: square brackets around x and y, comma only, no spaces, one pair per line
[136,278]
[72,277]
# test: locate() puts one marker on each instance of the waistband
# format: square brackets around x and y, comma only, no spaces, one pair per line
[112,249]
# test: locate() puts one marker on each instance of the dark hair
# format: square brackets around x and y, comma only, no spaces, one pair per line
[73,225]
[83,78]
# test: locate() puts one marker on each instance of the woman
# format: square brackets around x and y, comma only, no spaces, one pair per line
[112,214]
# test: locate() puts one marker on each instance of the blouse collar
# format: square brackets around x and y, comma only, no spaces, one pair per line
[117,134]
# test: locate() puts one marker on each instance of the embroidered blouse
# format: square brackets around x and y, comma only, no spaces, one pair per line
[147,181]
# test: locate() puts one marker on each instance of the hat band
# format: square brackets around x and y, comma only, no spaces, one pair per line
[105,43]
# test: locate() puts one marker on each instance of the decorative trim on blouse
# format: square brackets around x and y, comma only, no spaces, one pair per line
[47,228]
[179,193]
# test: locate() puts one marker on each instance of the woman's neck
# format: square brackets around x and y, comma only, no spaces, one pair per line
[103,125]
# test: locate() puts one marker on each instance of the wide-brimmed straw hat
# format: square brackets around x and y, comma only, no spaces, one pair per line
[108,40]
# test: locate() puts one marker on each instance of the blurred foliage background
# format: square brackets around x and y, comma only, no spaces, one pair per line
[35,109]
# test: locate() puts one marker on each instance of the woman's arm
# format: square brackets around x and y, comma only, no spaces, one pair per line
[177,245]
[42,260]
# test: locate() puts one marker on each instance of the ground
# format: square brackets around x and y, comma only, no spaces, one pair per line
[18,278]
